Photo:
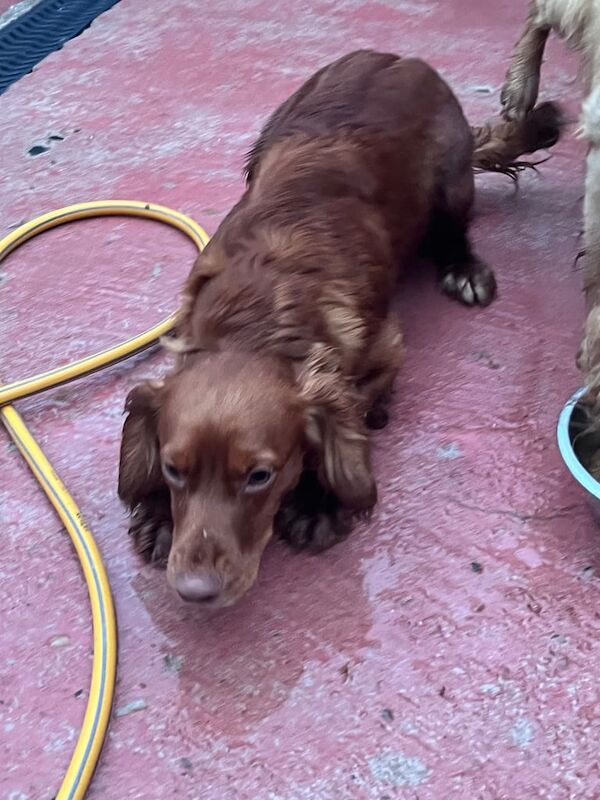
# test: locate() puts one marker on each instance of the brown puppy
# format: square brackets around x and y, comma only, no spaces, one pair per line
[286,348]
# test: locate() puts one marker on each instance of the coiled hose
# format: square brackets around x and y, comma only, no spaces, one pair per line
[104,664]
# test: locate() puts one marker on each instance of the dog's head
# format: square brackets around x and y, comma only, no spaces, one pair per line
[228,433]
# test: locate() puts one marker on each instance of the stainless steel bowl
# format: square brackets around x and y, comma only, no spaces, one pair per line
[576,447]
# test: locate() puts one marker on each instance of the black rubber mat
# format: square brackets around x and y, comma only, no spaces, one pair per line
[46,27]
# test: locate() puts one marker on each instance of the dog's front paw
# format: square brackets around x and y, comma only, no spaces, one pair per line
[151,532]
[377,417]
[311,517]
[312,532]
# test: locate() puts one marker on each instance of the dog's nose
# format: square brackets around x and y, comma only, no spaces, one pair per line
[198,587]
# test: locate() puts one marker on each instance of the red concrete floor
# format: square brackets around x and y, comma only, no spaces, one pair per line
[7,5]
[450,648]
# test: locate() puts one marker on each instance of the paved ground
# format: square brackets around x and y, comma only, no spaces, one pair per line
[450,648]
[10,10]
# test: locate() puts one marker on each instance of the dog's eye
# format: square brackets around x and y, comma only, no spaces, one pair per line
[172,475]
[259,478]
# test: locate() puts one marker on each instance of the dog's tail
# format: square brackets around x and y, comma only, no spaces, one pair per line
[499,146]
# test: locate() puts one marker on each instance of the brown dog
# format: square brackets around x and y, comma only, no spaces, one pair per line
[287,352]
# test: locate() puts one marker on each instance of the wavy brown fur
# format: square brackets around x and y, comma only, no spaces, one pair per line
[286,340]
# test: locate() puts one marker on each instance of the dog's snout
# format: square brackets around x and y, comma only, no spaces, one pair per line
[198,587]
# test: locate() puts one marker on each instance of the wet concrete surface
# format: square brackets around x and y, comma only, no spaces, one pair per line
[448,649]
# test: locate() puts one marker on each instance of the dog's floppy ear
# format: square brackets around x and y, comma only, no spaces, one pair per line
[335,430]
[139,464]
[208,265]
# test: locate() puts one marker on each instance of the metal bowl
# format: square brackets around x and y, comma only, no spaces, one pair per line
[576,449]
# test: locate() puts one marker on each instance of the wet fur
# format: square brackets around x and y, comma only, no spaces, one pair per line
[578,23]
[365,166]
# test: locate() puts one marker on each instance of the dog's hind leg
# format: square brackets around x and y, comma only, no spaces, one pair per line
[520,90]
[461,274]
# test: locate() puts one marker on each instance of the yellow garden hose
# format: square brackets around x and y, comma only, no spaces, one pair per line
[97,714]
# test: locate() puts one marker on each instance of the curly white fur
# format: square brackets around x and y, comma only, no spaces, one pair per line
[578,23]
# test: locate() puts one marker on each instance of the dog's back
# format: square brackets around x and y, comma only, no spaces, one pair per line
[341,186]
[367,90]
